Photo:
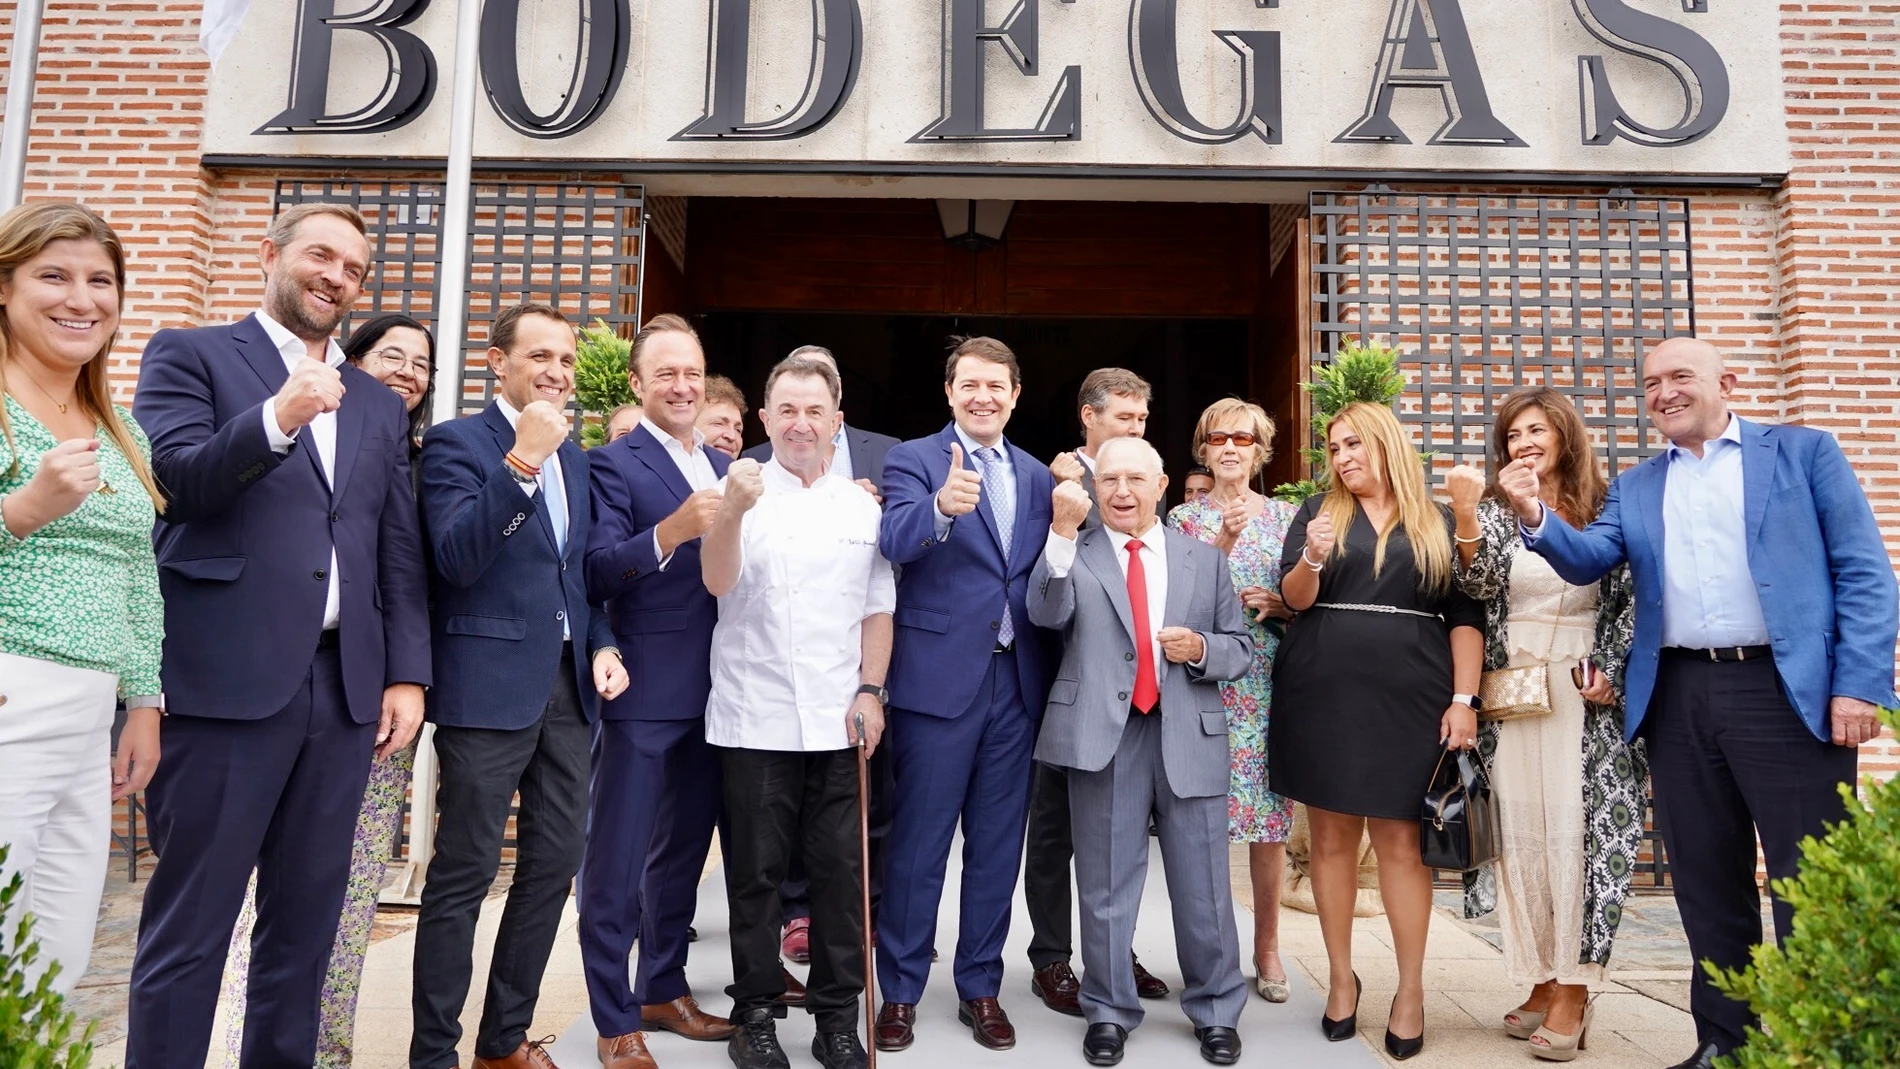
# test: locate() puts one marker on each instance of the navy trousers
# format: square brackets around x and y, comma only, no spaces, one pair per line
[1730,758]
[655,796]
[972,769]
[280,795]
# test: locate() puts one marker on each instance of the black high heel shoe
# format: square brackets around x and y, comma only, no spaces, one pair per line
[1346,1028]
[1401,1049]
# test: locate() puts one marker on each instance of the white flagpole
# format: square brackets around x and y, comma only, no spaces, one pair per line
[22,68]
[451,322]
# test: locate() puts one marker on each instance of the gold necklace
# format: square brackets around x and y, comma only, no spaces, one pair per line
[48,393]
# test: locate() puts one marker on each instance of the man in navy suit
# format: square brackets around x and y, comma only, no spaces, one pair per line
[656,788]
[858,455]
[296,641]
[1765,625]
[965,516]
[506,511]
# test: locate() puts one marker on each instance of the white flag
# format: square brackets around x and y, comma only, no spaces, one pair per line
[219,24]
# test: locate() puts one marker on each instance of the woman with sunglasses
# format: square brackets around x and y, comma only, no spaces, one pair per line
[1234,440]
[1570,790]
[400,353]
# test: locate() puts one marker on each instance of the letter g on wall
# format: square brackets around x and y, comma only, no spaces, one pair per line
[1154,55]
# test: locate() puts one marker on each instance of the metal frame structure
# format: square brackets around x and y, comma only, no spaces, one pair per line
[1484,292]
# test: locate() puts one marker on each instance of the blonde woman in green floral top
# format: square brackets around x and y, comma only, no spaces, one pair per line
[81,623]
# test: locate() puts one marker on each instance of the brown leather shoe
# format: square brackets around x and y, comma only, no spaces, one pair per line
[530,1055]
[794,991]
[683,1017]
[1055,984]
[988,1023]
[625,1052]
[896,1026]
[1147,984]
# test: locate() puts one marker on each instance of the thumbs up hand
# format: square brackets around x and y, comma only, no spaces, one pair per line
[962,488]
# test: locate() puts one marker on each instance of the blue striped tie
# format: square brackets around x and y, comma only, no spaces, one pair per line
[1002,494]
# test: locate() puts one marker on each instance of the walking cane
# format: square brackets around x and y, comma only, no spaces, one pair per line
[864,889]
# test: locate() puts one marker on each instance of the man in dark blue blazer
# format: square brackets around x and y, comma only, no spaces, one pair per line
[296,642]
[656,788]
[1765,626]
[965,516]
[506,510]
[858,455]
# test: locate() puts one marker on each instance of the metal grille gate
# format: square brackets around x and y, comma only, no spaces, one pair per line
[576,245]
[1483,293]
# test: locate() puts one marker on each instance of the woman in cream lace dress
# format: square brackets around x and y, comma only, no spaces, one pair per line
[1570,790]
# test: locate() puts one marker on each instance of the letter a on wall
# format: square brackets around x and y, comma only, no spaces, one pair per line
[1427,46]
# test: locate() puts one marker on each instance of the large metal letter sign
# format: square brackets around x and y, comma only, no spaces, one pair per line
[964,33]
[600,58]
[837,35]
[1426,46]
[1697,67]
[1157,65]
[407,87]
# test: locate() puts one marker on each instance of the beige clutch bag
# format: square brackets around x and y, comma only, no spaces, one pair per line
[1515,693]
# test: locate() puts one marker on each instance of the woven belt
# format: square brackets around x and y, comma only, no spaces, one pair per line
[1390,610]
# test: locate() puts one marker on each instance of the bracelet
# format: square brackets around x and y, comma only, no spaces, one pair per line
[1467,541]
[528,472]
[1308,561]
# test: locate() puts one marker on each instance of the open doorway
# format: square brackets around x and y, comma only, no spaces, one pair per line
[893,368]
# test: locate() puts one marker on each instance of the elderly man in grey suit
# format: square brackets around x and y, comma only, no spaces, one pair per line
[1149,624]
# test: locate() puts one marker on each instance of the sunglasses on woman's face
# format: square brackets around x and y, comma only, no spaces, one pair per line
[1241,439]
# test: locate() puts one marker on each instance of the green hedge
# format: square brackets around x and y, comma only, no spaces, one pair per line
[36,1030]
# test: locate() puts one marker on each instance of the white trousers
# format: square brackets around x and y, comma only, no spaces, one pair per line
[56,804]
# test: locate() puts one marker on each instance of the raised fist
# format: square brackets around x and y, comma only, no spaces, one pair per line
[1319,538]
[1518,480]
[68,472]
[1465,485]
[1070,505]
[962,488]
[312,389]
[695,515]
[1233,517]
[744,484]
[1067,467]
[539,432]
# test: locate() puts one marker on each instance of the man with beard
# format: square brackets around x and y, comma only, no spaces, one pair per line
[296,644]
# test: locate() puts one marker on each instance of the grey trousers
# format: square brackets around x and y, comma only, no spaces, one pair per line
[1109,818]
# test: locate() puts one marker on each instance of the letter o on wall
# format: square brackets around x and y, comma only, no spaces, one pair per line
[600,61]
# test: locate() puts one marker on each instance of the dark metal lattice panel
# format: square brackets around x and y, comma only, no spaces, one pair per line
[1483,293]
[576,245]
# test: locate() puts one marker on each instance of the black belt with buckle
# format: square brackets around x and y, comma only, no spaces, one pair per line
[1000,648]
[1722,654]
[329,638]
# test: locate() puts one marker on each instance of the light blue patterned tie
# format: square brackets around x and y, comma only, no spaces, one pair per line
[998,488]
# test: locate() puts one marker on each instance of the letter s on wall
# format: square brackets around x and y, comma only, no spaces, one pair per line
[1688,56]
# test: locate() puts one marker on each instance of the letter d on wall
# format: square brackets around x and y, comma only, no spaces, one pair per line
[837,37]
[407,88]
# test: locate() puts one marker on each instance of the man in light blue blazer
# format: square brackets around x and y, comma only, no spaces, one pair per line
[1765,627]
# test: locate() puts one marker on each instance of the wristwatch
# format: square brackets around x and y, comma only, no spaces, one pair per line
[1467,699]
[883,696]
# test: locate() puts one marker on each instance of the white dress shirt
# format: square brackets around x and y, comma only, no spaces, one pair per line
[692,464]
[1060,553]
[553,491]
[788,647]
[322,435]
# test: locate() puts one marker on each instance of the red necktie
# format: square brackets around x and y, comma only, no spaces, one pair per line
[1147,691]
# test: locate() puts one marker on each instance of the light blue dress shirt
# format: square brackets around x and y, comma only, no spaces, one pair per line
[1709,597]
[1005,467]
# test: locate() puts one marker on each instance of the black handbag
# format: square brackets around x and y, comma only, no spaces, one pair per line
[1458,828]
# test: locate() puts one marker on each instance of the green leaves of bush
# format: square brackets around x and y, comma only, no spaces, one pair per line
[1357,372]
[1830,997]
[600,378]
[36,1031]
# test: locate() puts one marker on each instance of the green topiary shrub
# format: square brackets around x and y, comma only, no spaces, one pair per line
[1830,998]
[1357,372]
[36,1030]
[600,379]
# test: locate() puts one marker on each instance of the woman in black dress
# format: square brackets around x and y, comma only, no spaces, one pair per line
[1374,678]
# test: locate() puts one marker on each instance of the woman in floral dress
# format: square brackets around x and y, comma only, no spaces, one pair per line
[1234,440]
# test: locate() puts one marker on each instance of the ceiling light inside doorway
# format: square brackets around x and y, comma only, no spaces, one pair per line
[974,224]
